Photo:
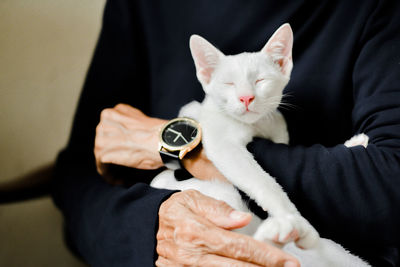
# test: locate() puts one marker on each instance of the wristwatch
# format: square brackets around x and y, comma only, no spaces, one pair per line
[178,137]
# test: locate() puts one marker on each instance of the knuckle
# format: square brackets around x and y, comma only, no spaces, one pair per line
[188,257]
[171,212]
[164,248]
[99,129]
[276,258]
[120,105]
[96,153]
[160,234]
[175,196]
[160,249]
[187,232]
[179,197]
[159,263]
[163,262]
[190,196]
[222,205]
[106,113]
[191,193]
[239,248]
[164,232]
[165,206]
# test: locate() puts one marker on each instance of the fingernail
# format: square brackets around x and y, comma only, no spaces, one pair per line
[290,264]
[238,215]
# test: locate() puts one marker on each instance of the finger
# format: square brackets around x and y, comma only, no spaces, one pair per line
[138,115]
[197,233]
[127,115]
[218,241]
[216,211]
[163,262]
[110,125]
[170,253]
[112,114]
[245,248]
[211,260]
[101,168]
[128,110]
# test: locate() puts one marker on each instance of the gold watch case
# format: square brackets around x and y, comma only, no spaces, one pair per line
[184,149]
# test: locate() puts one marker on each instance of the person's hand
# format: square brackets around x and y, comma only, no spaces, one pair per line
[126,136]
[194,231]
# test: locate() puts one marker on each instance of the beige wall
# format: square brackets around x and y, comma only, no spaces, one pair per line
[45,49]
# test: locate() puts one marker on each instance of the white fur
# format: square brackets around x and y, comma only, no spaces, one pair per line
[358,140]
[228,125]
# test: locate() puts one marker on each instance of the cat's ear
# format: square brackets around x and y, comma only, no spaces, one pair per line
[279,47]
[205,56]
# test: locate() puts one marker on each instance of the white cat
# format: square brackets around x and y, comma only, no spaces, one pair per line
[243,93]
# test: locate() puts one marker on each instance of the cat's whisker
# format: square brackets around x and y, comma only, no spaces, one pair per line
[286,104]
[289,106]
[287,95]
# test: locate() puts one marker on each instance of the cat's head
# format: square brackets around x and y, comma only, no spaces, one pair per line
[248,85]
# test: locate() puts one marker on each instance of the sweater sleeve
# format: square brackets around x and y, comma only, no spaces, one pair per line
[109,225]
[353,193]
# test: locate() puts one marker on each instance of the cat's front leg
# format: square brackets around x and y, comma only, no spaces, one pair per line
[290,227]
[191,110]
[240,168]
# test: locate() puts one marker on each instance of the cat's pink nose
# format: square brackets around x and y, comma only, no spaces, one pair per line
[246,100]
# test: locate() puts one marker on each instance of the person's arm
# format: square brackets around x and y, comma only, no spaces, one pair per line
[109,225]
[353,193]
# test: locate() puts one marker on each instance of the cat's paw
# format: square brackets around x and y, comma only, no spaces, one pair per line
[358,140]
[284,229]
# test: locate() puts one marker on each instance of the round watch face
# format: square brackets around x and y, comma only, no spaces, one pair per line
[179,133]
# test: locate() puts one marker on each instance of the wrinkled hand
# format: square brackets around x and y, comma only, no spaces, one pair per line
[126,136]
[194,231]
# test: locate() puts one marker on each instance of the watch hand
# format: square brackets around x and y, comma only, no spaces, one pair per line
[170,130]
[184,139]
[175,132]
[180,135]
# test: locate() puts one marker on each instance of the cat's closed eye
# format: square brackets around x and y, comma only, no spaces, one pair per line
[229,83]
[259,80]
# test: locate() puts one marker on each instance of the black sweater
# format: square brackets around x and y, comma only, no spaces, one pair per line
[345,80]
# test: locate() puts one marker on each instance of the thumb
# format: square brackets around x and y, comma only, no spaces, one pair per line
[218,212]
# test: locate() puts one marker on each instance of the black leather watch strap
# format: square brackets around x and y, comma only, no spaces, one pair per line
[170,159]
[182,174]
